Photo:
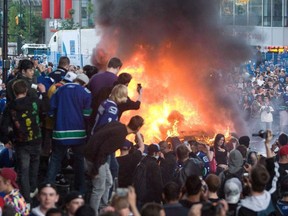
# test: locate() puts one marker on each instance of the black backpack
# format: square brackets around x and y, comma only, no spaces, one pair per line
[227,175]
[139,180]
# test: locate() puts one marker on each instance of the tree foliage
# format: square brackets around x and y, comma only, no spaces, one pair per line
[22,29]
[69,23]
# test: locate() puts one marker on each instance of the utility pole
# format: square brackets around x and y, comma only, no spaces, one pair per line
[30,20]
[6,63]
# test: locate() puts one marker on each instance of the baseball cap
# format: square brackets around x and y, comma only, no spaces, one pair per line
[43,185]
[232,190]
[9,174]
[83,77]
[153,148]
[126,145]
[73,195]
[283,150]
[70,76]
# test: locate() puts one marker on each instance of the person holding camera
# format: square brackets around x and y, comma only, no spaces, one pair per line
[266,114]
[259,202]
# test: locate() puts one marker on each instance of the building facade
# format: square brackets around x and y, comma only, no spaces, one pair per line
[261,22]
[58,11]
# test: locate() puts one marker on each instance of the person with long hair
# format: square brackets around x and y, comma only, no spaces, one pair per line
[219,152]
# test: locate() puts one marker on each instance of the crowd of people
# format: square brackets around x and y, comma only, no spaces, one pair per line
[69,118]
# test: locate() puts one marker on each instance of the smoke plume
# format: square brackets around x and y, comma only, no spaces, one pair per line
[184,51]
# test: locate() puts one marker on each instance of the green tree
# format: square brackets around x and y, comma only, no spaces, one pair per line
[22,29]
[90,10]
[69,23]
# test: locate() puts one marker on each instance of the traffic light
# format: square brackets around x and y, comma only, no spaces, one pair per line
[17,20]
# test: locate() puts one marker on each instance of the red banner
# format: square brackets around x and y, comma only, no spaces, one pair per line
[68,7]
[57,9]
[45,9]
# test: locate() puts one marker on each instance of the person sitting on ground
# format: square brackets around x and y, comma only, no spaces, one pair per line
[12,196]
[48,197]
[171,195]
[213,182]
[73,201]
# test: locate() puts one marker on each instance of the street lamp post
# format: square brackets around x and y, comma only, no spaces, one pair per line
[5,64]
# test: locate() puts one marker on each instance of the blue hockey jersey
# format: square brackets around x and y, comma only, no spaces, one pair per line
[107,112]
[70,105]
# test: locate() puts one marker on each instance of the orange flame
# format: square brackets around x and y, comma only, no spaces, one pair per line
[166,112]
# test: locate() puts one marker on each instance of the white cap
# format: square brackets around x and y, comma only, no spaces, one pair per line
[83,77]
[232,190]
[70,76]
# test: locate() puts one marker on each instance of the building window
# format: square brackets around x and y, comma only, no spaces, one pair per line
[277,13]
[84,12]
[255,12]
[266,12]
[286,13]
[227,12]
[241,14]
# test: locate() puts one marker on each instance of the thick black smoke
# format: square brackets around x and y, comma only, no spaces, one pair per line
[191,32]
[191,24]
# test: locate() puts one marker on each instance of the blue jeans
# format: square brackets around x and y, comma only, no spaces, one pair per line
[55,164]
[27,164]
[114,168]
[101,185]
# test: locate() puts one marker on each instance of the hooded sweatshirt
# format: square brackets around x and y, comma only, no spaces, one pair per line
[235,161]
[254,204]
[23,115]
[235,170]
[9,90]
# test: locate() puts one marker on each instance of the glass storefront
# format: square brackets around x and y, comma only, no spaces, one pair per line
[270,13]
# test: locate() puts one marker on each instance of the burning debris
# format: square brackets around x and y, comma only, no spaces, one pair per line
[172,47]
